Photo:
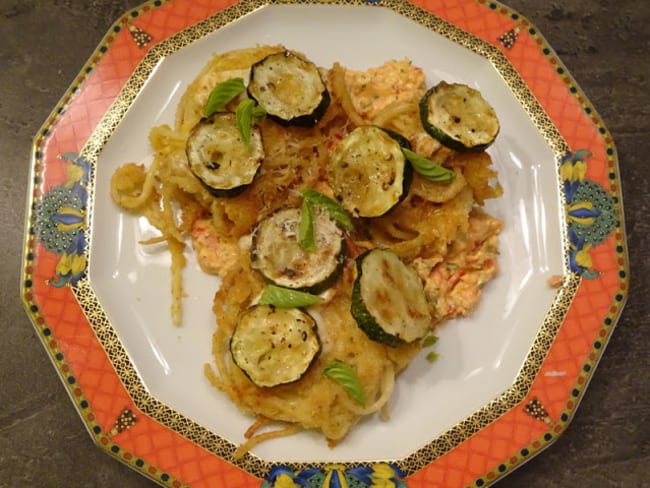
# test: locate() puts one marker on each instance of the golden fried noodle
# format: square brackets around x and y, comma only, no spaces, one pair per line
[438,228]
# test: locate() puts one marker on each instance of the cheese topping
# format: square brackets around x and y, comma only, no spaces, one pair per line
[373,90]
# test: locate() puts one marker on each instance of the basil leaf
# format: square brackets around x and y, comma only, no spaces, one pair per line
[347,377]
[336,211]
[245,113]
[306,228]
[223,93]
[244,119]
[430,170]
[432,356]
[258,112]
[429,341]
[281,297]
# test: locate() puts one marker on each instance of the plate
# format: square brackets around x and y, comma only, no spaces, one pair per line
[509,377]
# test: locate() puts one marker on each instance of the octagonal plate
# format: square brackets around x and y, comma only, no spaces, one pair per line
[509,377]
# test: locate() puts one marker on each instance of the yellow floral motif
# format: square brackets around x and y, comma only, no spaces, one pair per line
[69,219]
[383,477]
[583,257]
[576,212]
[590,211]
[75,174]
[60,221]
[339,469]
[284,481]
[573,170]
[73,264]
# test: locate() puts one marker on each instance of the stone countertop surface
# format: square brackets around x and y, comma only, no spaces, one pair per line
[605,45]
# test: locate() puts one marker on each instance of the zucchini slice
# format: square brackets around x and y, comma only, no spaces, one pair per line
[274,346]
[388,299]
[219,158]
[277,253]
[289,88]
[368,171]
[459,117]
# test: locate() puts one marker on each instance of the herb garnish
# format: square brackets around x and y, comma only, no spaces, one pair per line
[222,94]
[432,356]
[281,297]
[347,377]
[306,227]
[336,211]
[428,342]
[427,168]
[245,113]
[313,198]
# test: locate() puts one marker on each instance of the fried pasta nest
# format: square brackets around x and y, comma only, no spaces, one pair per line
[438,228]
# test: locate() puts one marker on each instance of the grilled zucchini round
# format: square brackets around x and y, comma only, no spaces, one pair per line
[289,88]
[368,171]
[459,117]
[388,299]
[218,156]
[274,346]
[277,253]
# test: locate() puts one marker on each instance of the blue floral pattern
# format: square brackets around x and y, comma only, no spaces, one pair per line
[381,475]
[60,221]
[590,212]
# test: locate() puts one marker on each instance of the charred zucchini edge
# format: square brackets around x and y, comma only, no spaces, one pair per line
[274,346]
[259,258]
[388,292]
[232,146]
[342,180]
[287,115]
[459,117]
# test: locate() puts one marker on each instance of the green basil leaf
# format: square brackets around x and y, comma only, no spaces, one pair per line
[429,341]
[306,228]
[432,356]
[331,206]
[281,297]
[258,112]
[430,170]
[347,377]
[245,113]
[223,93]
[244,119]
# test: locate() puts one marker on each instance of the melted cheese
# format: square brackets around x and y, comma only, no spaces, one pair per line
[214,253]
[373,90]
[454,284]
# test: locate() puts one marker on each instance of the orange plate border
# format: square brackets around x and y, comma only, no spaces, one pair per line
[52,275]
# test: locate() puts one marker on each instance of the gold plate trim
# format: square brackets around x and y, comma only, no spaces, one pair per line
[113,346]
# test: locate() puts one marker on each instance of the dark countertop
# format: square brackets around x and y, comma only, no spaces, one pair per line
[605,46]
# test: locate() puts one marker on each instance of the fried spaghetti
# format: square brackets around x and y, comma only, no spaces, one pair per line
[438,228]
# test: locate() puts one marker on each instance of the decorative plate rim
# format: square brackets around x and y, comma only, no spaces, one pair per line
[583,179]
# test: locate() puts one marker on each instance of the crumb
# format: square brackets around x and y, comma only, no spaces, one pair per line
[555,281]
